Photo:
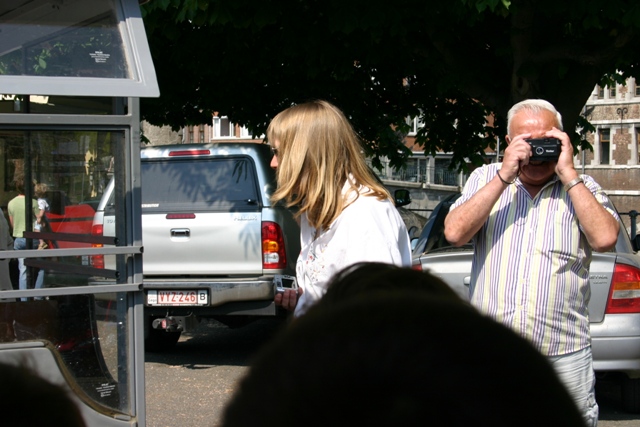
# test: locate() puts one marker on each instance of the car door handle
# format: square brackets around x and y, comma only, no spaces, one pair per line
[180,232]
[467,281]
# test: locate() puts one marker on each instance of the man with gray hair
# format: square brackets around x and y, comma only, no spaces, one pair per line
[534,222]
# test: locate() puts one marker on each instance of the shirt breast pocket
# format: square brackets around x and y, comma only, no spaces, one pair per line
[563,234]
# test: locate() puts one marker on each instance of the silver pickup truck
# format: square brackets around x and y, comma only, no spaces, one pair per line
[213,241]
[614,308]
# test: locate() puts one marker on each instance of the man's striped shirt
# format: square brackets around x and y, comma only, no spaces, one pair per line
[531,263]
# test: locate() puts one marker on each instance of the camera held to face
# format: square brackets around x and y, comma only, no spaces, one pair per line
[545,149]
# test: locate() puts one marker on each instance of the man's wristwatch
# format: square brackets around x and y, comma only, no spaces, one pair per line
[573,183]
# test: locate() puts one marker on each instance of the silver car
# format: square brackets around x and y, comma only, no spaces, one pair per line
[614,308]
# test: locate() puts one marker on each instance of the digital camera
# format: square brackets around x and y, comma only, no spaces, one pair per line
[283,282]
[545,149]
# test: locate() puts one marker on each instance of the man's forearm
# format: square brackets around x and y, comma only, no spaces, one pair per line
[599,226]
[463,222]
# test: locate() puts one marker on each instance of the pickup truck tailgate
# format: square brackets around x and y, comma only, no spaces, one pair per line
[220,243]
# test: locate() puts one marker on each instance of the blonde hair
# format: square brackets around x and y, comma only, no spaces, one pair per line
[40,190]
[318,151]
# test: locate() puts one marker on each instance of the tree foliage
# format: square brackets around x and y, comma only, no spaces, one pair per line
[450,63]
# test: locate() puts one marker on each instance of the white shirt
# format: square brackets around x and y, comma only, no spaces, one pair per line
[367,230]
[43,205]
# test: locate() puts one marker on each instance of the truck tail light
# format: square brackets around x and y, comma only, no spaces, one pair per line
[624,296]
[190,152]
[273,250]
[97,261]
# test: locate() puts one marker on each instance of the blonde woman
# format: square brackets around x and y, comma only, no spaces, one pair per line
[40,191]
[346,214]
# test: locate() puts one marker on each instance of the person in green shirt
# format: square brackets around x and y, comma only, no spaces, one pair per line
[18,220]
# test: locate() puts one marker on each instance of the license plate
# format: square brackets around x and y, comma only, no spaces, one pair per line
[178,298]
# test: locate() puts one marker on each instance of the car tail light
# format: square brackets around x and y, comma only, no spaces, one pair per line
[624,296]
[97,261]
[417,267]
[273,251]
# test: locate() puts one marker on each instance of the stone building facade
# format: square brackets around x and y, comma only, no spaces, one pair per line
[614,161]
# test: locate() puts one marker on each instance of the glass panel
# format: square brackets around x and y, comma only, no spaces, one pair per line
[605,140]
[443,175]
[198,185]
[604,152]
[88,333]
[70,170]
[75,165]
[225,127]
[74,38]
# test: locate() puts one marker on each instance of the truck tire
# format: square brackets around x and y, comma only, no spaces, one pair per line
[631,394]
[157,340]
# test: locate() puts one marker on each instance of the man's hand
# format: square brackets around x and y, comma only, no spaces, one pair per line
[516,155]
[564,167]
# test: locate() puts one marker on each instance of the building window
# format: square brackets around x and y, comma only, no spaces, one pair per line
[600,94]
[637,89]
[612,92]
[442,174]
[201,133]
[415,124]
[638,145]
[605,146]
[222,127]
[190,137]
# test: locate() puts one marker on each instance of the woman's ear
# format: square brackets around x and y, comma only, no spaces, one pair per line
[506,138]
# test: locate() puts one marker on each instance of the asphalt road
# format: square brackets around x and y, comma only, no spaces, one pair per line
[190,385]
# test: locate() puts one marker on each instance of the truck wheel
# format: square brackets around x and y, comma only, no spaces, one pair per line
[157,340]
[631,394]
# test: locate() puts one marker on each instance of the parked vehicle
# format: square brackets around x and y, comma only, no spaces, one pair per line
[413,221]
[614,308]
[212,239]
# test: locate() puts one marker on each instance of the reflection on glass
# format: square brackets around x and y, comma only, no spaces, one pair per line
[87,333]
[74,38]
[73,169]
[61,271]
[75,165]
[178,185]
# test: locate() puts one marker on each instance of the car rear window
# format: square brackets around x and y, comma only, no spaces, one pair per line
[199,185]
